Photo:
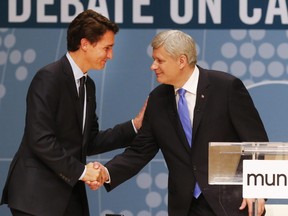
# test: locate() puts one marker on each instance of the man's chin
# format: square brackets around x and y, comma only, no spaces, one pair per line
[100,67]
[159,80]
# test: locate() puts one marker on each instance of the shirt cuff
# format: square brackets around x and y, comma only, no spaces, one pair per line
[83,174]
[136,131]
[109,180]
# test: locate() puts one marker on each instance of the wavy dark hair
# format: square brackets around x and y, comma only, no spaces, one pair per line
[90,25]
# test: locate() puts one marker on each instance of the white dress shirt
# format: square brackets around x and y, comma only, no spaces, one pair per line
[191,90]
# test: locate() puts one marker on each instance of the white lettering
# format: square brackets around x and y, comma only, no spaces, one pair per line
[12,11]
[243,12]
[214,7]
[41,15]
[188,11]
[137,17]
[273,11]
[20,11]
[65,17]
[102,8]
[119,11]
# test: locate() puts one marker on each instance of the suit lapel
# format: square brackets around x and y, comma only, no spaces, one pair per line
[174,118]
[201,99]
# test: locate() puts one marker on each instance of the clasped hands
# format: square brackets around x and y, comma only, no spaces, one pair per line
[96,175]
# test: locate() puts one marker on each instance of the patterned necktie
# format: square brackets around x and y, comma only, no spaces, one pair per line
[187,126]
[82,95]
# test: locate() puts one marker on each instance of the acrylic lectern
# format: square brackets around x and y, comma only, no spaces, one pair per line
[266,162]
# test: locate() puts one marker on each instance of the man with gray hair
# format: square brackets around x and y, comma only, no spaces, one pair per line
[219,109]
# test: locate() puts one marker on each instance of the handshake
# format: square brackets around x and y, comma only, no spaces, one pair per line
[96,175]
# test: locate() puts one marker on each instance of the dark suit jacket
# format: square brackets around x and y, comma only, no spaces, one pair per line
[53,150]
[224,112]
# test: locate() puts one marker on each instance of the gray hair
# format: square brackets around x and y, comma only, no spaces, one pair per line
[176,43]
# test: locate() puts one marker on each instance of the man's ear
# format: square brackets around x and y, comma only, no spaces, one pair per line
[84,44]
[182,61]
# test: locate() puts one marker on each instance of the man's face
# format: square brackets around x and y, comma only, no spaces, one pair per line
[98,53]
[166,67]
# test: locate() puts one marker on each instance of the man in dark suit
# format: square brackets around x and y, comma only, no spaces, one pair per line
[47,174]
[220,109]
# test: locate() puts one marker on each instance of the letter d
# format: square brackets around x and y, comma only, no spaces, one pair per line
[12,11]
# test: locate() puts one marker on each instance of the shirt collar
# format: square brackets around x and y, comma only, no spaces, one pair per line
[192,82]
[77,72]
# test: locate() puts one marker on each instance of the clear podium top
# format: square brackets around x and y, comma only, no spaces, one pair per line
[226,159]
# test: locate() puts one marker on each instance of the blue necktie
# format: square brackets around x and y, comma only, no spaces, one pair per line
[187,126]
[184,115]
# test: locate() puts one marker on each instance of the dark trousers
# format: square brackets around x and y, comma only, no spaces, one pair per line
[77,206]
[200,207]
[15,212]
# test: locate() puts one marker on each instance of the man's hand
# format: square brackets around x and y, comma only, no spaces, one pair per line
[91,174]
[249,202]
[139,118]
[102,178]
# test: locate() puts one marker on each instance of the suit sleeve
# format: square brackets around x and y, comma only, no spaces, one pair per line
[143,149]
[110,139]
